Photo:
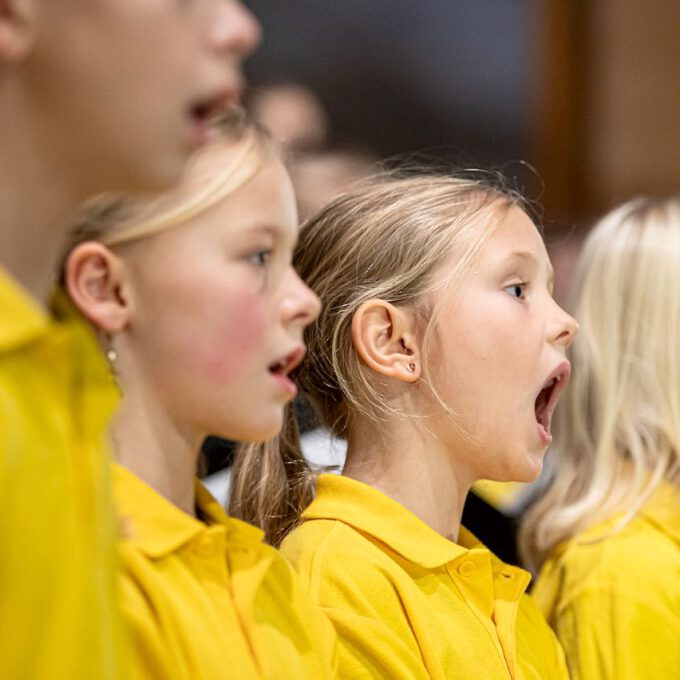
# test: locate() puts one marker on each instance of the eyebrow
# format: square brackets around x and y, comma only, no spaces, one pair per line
[527,256]
[265,228]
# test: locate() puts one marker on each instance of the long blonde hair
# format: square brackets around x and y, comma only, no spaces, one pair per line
[386,239]
[618,431]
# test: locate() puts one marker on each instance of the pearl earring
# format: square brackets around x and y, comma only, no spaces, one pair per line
[111,358]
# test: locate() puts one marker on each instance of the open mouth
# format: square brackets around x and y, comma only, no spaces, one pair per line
[291,361]
[211,109]
[548,397]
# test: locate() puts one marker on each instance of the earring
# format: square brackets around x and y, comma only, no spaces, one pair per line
[111,358]
[411,368]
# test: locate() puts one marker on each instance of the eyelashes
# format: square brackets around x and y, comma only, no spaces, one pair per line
[517,290]
[261,258]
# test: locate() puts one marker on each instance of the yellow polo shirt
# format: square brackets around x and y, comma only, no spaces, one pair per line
[58,616]
[615,602]
[208,599]
[407,603]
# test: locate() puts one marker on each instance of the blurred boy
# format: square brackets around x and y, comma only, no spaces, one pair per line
[95,95]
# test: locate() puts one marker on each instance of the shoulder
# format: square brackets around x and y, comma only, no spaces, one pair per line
[339,563]
[636,550]
[639,562]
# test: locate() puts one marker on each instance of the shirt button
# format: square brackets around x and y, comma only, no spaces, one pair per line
[203,547]
[466,568]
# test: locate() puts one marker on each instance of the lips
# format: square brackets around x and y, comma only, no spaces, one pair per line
[288,363]
[213,106]
[280,370]
[548,397]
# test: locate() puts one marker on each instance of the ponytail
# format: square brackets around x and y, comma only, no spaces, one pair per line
[272,483]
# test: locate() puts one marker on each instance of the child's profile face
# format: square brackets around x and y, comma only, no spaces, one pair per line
[217,312]
[122,88]
[502,339]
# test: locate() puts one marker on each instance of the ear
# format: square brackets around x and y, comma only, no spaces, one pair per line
[385,340]
[95,280]
[17,28]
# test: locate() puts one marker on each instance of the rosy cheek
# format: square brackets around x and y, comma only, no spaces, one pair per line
[227,345]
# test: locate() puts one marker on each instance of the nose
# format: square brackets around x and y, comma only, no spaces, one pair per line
[235,30]
[564,327]
[301,305]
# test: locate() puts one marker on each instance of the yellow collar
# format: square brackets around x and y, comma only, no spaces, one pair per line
[159,528]
[22,320]
[372,512]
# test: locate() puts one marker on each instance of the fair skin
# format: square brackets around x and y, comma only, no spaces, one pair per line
[502,339]
[103,95]
[207,320]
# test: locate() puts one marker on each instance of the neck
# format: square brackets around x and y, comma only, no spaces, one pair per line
[36,200]
[149,444]
[411,466]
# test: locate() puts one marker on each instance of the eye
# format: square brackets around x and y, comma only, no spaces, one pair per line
[260,258]
[517,290]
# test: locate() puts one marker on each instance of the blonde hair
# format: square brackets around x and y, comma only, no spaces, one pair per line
[387,239]
[618,432]
[119,219]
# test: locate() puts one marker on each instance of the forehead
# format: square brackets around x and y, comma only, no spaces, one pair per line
[515,237]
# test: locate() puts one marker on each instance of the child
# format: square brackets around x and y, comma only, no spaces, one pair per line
[607,533]
[201,315]
[94,95]
[439,356]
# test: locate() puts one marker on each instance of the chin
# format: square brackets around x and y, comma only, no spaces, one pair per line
[531,467]
[259,432]
[160,177]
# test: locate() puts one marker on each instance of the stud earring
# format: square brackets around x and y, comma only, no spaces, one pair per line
[411,367]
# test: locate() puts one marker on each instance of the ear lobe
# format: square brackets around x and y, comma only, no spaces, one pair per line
[385,340]
[94,280]
[17,29]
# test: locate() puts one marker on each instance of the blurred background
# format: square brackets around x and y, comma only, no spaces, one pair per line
[586,91]
[578,100]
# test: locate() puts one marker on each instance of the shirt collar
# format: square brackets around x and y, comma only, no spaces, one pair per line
[372,512]
[22,320]
[663,510]
[158,527]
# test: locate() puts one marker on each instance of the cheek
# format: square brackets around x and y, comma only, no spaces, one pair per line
[232,340]
[201,328]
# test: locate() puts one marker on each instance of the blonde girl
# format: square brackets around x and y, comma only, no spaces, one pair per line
[201,317]
[607,533]
[439,356]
